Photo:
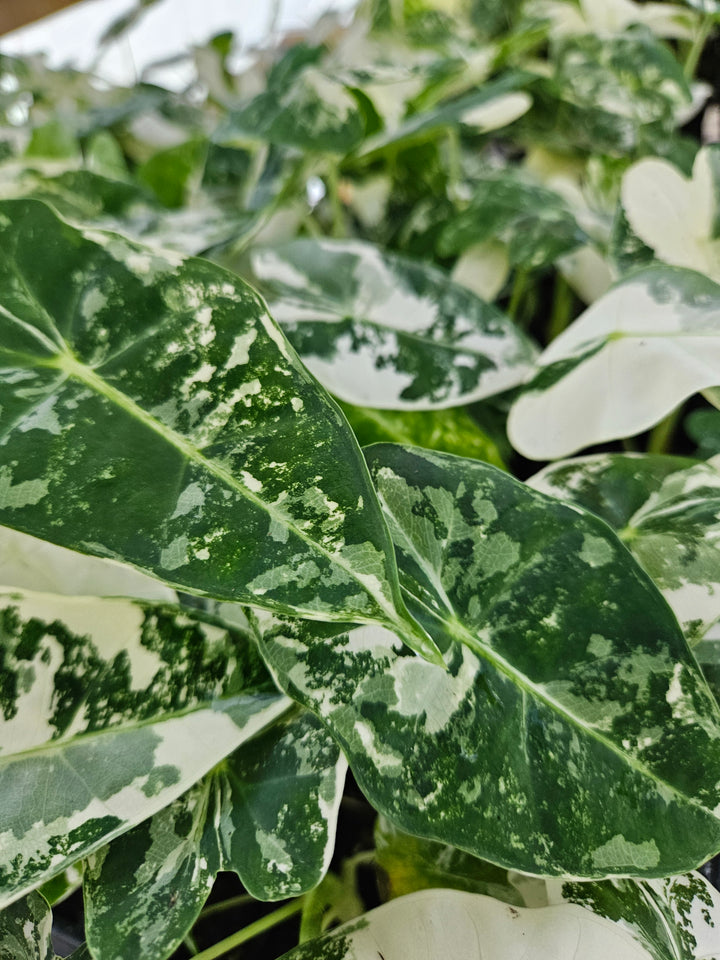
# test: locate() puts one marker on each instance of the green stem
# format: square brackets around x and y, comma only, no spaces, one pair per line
[190,945]
[661,436]
[265,923]
[561,315]
[698,44]
[518,292]
[454,163]
[224,905]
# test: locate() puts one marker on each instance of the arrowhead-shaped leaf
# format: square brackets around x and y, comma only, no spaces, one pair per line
[437,924]
[572,731]
[666,511]
[383,331]
[267,812]
[111,710]
[625,363]
[154,413]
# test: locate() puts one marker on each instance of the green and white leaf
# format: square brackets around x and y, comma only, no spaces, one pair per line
[25,929]
[665,509]
[491,106]
[111,710]
[550,714]
[437,924]
[626,362]
[153,411]
[533,221]
[268,812]
[383,331]
[678,218]
[674,918]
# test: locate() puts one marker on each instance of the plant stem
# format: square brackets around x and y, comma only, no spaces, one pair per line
[662,433]
[698,44]
[561,308]
[454,163]
[265,923]
[190,945]
[240,901]
[518,292]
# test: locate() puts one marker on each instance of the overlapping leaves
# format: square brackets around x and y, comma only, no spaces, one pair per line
[159,438]
[112,708]
[582,738]
[267,812]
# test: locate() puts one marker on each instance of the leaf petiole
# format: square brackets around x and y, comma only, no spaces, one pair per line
[252,930]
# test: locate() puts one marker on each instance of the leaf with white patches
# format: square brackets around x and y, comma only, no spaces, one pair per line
[490,106]
[674,918]
[437,924]
[153,413]
[532,220]
[626,362]
[111,709]
[268,812]
[558,739]
[313,112]
[665,509]
[383,331]
[25,930]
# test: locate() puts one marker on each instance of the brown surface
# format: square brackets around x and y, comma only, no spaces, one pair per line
[16,13]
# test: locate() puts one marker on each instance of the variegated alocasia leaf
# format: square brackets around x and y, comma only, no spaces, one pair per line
[154,413]
[311,110]
[674,918]
[452,430]
[25,929]
[572,731]
[665,509]
[533,221]
[111,709]
[437,924]
[626,362]
[490,106]
[382,331]
[268,812]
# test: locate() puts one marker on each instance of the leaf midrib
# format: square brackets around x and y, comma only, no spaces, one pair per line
[463,636]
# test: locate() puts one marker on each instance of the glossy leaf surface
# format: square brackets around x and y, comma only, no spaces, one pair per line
[666,510]
[268,812]
[437,924]
[557,740]
[153,402]
[111,710]
[25,930]
[624,364]
[382,331]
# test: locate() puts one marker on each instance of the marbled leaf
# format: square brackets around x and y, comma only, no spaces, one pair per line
[110,710]
[25,930]
[437,924]
[153,413]
[666,510]
[383,331]
[267,812]
[626,362]
[572,731]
